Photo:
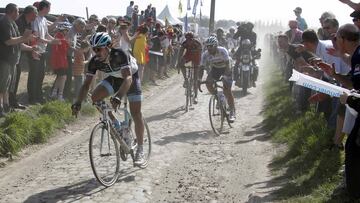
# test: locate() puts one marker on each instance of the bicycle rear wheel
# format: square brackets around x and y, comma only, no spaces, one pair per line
[104,155]
[216,115]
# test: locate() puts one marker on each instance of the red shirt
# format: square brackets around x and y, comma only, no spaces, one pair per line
[58,58]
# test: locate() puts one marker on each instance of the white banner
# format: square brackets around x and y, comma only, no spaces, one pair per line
[321,86]
[317,85]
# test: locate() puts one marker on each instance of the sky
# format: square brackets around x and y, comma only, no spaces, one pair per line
[237,10]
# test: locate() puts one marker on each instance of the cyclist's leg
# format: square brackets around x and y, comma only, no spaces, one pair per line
[227,83]
[135,110]
[134,96]
[101,91]
[196,80]
[209,82]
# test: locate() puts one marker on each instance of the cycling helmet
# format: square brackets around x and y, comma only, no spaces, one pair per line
[211,41]
[100,39]
[189,35]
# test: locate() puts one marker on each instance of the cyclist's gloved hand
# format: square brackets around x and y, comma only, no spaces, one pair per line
[115,102]
[76,107]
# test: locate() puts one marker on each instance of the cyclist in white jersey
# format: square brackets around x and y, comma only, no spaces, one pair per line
[216,60]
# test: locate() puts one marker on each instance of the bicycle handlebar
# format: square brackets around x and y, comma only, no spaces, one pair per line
[214,82]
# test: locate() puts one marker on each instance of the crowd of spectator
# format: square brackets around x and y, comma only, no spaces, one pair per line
[331,54]
[31,41]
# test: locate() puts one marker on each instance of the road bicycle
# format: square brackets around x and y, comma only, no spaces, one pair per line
[218,107]
[108,144]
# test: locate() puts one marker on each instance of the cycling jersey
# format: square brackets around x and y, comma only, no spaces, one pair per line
[220,60]
[118,60]
[193,51]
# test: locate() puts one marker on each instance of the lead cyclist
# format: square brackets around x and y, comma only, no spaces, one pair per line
[121,78]
[216,61]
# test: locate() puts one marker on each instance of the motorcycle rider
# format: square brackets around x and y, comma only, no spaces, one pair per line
[245,31]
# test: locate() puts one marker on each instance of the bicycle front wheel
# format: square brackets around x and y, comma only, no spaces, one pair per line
[216,115]
[104,155]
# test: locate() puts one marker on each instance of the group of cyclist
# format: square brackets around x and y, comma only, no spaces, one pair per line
[122,77]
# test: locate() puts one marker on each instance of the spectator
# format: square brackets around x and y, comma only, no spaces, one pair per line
[79,65]
[153,13]
[322,34]
[10,44]
[37,69]
[166,47]
[129,10]
[301,21]
[77,28]
[139,50]
[111,28]
[147,11]
[23,23]
[294,34]
[105,21]
[330,27]
[156,56]
[101,28]
[135,19]
[59,60]
[125,39]
[319,47]
[142,18]
[356,18]
[348,43]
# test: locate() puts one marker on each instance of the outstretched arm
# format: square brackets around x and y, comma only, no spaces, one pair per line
[355,6]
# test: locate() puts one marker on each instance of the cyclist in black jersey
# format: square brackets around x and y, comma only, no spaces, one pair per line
[121,78]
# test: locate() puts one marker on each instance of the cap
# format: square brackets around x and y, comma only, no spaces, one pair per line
[298,10]
[355,14]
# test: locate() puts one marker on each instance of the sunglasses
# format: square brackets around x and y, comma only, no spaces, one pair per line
[97,49]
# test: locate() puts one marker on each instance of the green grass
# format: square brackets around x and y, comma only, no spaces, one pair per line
[36,125]
[309,171]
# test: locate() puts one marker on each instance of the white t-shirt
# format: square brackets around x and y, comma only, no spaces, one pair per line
[321,51]
[41,28]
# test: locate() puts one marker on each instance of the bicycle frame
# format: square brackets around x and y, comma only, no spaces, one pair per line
[105,109]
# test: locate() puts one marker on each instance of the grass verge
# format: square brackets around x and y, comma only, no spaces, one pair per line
[35,125]
[309,171]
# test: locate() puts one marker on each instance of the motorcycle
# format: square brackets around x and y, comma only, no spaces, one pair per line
[246,69]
